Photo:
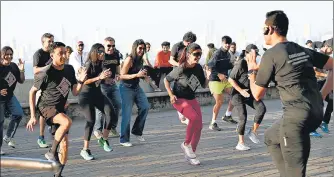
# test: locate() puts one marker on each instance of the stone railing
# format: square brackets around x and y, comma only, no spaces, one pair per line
[159,101]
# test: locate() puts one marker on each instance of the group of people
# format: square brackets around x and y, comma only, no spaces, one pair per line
[93,79]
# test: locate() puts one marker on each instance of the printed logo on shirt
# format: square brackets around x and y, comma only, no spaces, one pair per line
[108,62]
[64,87]
[48,62]
[10,78]
[193,82]
[298,58]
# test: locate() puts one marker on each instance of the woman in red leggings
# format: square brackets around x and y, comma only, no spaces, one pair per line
[187,78]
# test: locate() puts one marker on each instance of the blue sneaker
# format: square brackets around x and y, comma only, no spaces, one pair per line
[315,134]
[324,127]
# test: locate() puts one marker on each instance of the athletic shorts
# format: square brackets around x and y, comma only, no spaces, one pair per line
[217,87]
[48,113]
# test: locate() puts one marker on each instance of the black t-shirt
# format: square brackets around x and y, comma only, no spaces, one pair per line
[41,58]
[111,62]
[239,74]
[291,66]
[177,50]
[9,75]
[93,70]
[55,86]
[187,80]
[219,63]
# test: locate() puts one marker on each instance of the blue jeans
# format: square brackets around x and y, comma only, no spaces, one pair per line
[13,106]
[112,106]
[130,96]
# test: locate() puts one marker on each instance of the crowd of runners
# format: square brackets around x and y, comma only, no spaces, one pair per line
[302,74]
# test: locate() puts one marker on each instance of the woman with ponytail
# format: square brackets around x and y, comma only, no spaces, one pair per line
[187,77]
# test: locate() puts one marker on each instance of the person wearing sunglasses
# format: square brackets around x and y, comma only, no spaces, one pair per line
[78,58]
[41,59]
[91,98]
[241,96]
[55,83]
[187,78]
[218,68]
[110,89]
[131,92]
[10,75]
[291,65]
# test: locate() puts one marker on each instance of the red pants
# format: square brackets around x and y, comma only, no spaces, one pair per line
[191,110]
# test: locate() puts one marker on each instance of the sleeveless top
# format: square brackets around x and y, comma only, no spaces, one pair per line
[137,65]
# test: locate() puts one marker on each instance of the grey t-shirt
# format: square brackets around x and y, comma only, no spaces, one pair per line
[187,80]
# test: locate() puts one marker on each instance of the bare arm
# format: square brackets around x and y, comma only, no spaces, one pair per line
[234,85]
[76,89]
[167,85]
[173,62]
[328,86]
[32,99]
[125,68]
[37,70]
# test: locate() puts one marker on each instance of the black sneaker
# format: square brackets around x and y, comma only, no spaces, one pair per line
[229,119]
[214,126]
[51,157]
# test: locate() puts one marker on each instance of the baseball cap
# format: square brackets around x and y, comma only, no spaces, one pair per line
[308,41]
[252,46]
[329,42]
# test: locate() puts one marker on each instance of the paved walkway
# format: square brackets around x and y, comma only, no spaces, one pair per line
[161,155]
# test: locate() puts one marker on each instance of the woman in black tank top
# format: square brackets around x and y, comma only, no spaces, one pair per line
[132,70]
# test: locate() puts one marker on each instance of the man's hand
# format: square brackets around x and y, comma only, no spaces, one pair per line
[244,93]
[222,77]
[21,65]
[251,61]
[32,122]
[3,92]
[173,99]
[117,78]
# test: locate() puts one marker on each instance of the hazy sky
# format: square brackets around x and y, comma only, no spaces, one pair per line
[153,21]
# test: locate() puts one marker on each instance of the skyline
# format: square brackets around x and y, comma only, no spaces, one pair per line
[155,22]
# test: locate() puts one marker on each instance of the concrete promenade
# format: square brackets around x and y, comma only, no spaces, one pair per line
[161,154]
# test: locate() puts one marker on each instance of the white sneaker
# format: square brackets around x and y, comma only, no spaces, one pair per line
[10,142]
[253,137]
[140,138]
[2,153]
[97,134]
[185,121]
[188,150]
[242,147]
[194,161]
[127,144]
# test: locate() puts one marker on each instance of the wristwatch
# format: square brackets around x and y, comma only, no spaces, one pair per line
[80,82]
[252,71]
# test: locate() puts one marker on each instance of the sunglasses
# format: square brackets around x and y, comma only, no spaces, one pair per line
[197,54]
[81,45]
[113,46]
[100,51]
[140,48]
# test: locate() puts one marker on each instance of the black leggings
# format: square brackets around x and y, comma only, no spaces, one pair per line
[288,140]
[240,102]
[88,101]
[329,107]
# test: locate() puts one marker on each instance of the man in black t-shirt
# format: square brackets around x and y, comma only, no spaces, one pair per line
[110,89]
[178,52]
[241,96]
[291,65]
[55,82]
[178,49]
[10,74]
[41,59]
[217,69]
